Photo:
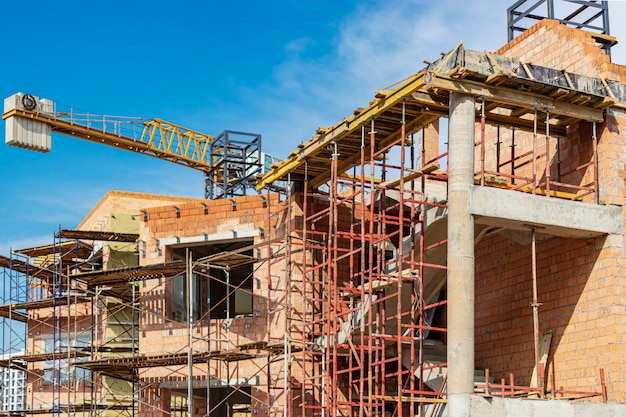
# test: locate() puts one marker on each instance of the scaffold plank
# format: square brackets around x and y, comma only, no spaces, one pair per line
[98,236]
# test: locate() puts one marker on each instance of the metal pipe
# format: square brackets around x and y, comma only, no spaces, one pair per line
[134,348]
[208,362]
[498,144]
[513,155]
[189,335]
[333,275]
[370,273]
[229,410]
[482,142]
[69,330]
[558,158]
[534,164]
[535,304]
[305,260]
[400,259]
[286,343]
[547,153]
[362,275]
[596,171]
[460,254]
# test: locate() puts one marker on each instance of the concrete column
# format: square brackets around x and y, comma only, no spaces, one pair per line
[460,255]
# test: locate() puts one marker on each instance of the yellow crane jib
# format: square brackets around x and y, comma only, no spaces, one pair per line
[31,120]
[231,161]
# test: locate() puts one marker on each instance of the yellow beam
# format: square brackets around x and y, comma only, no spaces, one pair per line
[410,176]
[411,127]
[344,128]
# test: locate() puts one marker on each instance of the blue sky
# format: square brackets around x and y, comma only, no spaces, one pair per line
[279,68]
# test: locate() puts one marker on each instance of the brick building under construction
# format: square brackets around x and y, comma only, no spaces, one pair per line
[394,274]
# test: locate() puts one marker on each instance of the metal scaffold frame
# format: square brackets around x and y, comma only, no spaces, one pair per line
[15,289]
[354,257]
[590,15]
[353,327]
[235,162]
[365,350]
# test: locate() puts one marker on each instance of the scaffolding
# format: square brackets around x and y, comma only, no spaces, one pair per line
[367,257]
[367,316]
[348,274]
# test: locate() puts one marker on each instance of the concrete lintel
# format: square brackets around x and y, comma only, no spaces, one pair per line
[212,237]
[213,382]
[551,216]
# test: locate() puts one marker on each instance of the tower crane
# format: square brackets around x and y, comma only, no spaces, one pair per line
[229,161]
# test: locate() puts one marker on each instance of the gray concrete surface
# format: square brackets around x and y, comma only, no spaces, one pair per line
[516,407]
[552,216]
[460,254]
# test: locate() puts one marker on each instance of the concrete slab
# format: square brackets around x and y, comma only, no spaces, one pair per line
[517,407]
[551,216]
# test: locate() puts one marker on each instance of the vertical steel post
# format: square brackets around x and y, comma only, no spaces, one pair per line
[513,155]
[482,142]
[364,299]
[400,261]
[596,171]
[189,334]
[547,172]
[534,162]
[370,260]
[287,310]
[304,308]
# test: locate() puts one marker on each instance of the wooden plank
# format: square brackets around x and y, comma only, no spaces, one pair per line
[544,350]
[413,175]
[515,98]
[424,119]
[342,129]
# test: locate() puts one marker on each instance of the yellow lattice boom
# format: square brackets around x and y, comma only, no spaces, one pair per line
[154,137]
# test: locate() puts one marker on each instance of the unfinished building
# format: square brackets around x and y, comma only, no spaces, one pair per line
[397,275]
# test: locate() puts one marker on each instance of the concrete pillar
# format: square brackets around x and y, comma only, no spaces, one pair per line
[460,255]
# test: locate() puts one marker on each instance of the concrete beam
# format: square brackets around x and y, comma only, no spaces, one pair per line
[197,240]
[551,216]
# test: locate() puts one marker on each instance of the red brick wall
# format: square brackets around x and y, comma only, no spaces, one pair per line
[159,334]
[580,285]
[580,282]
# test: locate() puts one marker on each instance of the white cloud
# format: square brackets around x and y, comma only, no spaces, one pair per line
[299,45]
[26,242]
[377,44]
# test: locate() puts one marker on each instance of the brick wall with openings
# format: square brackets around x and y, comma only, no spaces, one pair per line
[225,221]
[580,281]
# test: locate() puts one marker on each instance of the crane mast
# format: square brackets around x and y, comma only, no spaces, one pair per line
[229,161]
